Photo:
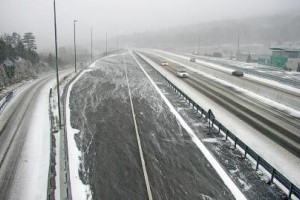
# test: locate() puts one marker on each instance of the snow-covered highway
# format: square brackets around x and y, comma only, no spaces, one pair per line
[181,160]
[25,142]
[268,88]
[273,153]
[278,125]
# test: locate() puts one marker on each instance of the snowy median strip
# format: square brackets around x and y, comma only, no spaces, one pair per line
[79,190]
[212,160]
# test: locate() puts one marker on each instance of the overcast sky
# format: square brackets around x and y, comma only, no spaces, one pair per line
[124,16]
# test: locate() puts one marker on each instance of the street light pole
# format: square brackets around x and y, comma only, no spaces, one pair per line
[238,46]
[75,44]
[91,44]
[106,43]
[118,43]
[56,63]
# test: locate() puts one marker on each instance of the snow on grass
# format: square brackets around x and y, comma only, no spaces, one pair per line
[92,65]
[79,190]
[244,184]
[211,159]
[210,140]
[64,78]
[261,144]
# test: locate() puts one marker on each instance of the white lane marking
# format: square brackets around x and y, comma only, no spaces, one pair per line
[138,138]
[211,159]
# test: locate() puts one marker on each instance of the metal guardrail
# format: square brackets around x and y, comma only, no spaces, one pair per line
[52,173]
[6,100]
[66,153]
[275,174]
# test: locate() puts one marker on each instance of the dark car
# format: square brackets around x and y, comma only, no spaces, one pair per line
[192,59]
[237,73]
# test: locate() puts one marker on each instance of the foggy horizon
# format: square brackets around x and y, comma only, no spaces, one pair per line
[124,17]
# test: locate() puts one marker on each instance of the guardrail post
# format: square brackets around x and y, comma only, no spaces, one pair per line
[291,190]
[257,164]
[226,134]
[246,151]
[208,126]
[272,176]
[235,142]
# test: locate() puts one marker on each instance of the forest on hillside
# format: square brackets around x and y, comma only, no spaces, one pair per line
[278,29]
[19,60]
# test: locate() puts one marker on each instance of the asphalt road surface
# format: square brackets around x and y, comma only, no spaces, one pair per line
[101,109]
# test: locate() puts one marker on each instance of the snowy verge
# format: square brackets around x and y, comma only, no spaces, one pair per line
[79,190]
[211,159]
[56,190]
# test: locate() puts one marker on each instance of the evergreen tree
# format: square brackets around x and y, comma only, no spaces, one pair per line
[29,41]
[16,38]
[51,60]
[20,49]
[7,39]
[2,50]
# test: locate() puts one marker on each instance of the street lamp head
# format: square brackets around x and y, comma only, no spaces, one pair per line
[75,21]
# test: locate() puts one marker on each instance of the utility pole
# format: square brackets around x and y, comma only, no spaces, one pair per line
[91,44]
[118,43]
[199,44]
[56,63]
[238,47]
[75,44]
[106,43]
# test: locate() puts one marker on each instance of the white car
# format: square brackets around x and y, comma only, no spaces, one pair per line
[164,63]
[182,74]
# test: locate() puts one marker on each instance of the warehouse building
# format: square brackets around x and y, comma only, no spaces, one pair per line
[285,58]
